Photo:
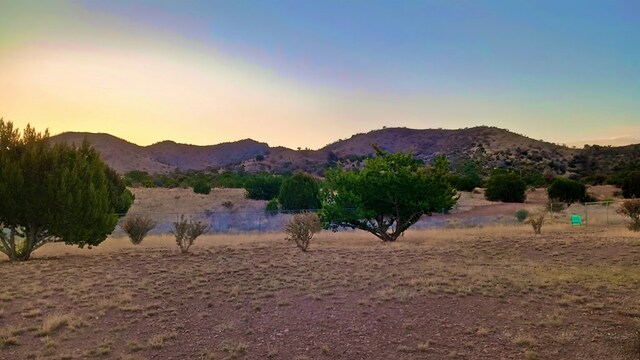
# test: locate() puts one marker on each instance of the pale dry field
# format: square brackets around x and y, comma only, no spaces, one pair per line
[477,293]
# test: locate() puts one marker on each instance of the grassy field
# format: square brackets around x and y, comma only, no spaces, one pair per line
[480,293]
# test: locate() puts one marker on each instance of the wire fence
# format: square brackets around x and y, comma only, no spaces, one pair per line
[234,221]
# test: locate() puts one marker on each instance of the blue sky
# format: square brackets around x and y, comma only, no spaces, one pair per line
[315,71]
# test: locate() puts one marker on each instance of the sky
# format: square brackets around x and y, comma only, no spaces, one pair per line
[302,73]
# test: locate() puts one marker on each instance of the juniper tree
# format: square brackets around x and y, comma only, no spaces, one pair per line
[53,193]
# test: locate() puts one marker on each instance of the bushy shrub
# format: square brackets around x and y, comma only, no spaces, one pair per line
[555,206]
[521,215]
[505,188]
[186,232]
[299,192]
[137,227]
[536,222]
[566,191]
[301,229]
[631,185]
[228,204]
[202,188]
[631,209]
[273,206]
[263,186]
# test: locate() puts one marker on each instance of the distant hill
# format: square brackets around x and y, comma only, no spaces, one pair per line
[166,156]
[489,147]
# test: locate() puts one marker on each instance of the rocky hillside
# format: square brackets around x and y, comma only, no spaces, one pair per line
[489,147]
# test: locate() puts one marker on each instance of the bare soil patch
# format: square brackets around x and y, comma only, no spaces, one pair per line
[492,293]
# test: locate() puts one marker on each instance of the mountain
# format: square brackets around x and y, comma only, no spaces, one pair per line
[489,147]
[165,156]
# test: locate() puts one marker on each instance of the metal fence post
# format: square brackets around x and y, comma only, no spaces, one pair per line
[586,214]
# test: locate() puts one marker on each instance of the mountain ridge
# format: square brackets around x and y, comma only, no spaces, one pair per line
[487,145]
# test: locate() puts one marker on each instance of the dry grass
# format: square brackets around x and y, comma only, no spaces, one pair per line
[177,201]
[570,293]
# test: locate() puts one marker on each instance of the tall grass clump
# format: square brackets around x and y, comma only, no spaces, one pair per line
[536,222]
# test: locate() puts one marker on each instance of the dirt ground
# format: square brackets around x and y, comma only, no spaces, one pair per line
[482,293]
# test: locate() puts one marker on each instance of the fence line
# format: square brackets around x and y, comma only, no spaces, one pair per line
[601,213]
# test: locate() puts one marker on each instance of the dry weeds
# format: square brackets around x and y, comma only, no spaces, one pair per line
[481,293]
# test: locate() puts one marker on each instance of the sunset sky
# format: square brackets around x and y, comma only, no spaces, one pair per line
[306,73]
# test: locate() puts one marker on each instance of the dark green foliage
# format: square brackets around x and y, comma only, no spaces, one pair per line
[506,188]
[120,196]
[388,196]
[137,227]
[521,215]
[53,193]
[566,191]
[263,186]
[467,177]
[137,178]
[202,188]
[273,206]
[631,185]
[299,192]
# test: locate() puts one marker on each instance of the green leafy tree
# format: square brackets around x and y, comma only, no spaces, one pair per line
[387,196]
[263,186]
[299,192]
[52,193]
[631,185]
[467,178]
[566,191]
[505,187]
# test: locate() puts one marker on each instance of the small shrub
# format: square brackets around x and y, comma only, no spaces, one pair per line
[228,204]
[186,232]
[273,206]
[301,229]
[555,206]
[521,215]
[631,209]
[202,188]
[137,227]
[536,222]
